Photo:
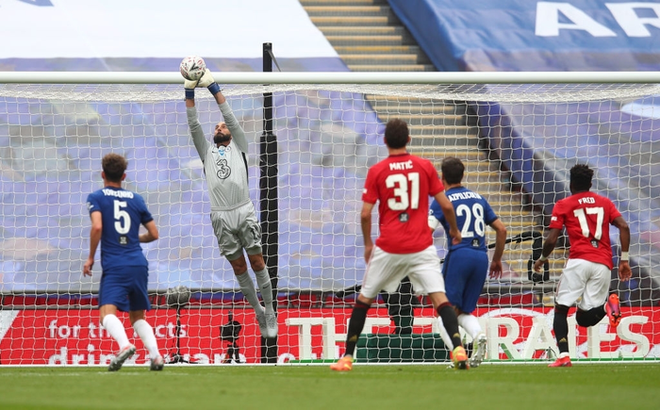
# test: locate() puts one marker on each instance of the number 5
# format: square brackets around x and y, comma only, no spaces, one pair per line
[122,218]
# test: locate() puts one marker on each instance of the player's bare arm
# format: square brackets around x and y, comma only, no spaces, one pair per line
[625,273]
[94,240]
[151,234]
[365,222]
[500,239]
[548,247]
[450,216]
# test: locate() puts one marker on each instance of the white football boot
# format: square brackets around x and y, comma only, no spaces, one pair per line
[479,352]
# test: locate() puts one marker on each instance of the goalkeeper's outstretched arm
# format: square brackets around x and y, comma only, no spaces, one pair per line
[207,80]
[237,133]
[201,144]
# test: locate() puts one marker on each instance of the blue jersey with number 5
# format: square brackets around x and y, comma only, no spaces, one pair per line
[122,213]
[473,214]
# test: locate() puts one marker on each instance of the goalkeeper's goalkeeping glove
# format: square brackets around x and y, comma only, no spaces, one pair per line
[189,87]
[207,81]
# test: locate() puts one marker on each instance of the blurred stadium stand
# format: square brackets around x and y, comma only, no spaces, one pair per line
[43,149]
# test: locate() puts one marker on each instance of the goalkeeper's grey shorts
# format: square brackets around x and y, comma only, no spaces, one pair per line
[236,230]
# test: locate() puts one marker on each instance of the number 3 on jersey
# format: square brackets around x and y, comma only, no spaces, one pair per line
[405,195]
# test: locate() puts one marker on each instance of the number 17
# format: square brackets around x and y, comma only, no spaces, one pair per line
[584,225]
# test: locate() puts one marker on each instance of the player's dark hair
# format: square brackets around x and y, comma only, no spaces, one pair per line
[581,176]
[452,170]
[396,133]
[114,166]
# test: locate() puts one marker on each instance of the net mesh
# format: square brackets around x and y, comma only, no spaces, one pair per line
[516,93]
[517,142]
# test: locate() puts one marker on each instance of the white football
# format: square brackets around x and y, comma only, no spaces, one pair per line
[192,68]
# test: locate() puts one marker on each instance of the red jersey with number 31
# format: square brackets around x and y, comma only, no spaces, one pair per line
[587,217]
[402,185]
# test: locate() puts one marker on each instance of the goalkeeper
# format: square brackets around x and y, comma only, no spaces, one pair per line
[233,216]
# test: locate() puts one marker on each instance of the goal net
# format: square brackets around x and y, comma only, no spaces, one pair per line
[517,134]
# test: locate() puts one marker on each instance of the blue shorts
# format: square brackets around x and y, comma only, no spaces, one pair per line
[125,288]
[465,272]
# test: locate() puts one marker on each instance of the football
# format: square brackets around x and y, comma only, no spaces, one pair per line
[192,68]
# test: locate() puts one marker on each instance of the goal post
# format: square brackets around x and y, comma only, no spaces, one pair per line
[517,133]
[426,77]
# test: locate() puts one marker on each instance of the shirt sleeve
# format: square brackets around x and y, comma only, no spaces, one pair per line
[145,215]
[201,144]
[614,213]
[489,215]
[435,185]
[92,204]
[435,215]
[237,133]
[557,219]
[370,192]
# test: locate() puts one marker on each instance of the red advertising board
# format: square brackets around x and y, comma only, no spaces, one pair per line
[73,336]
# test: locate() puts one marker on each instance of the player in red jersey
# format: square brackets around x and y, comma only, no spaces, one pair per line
[587,273]
[402,184]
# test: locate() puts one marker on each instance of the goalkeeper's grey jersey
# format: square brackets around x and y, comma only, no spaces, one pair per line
[225,167]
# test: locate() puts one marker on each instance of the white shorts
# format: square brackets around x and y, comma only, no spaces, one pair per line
[236,230]
[582,278]
[385,271]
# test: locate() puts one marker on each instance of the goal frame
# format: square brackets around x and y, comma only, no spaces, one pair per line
[320,78]
[472,77]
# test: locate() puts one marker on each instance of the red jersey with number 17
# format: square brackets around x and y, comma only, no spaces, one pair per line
[402,185]
[587,217]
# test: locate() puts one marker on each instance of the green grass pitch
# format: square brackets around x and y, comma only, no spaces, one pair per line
[511,386]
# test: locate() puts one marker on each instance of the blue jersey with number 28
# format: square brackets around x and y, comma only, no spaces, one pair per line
[473,214]
[122,213]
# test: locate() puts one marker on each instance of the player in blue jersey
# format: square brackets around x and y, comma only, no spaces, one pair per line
[466,264]
[116,216]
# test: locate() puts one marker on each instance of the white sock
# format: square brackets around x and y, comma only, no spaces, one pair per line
[146,333]
[444,335]
[247,287]
[113,325]
[263,281]
[470,323]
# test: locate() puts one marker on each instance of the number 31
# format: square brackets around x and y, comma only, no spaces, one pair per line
[404,197]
